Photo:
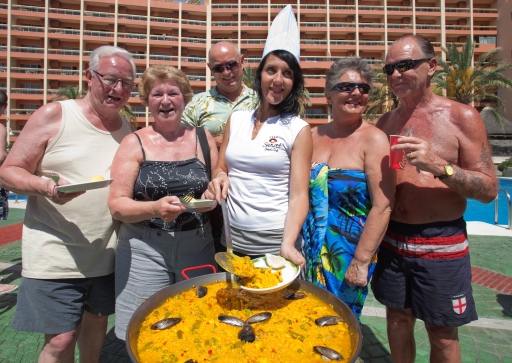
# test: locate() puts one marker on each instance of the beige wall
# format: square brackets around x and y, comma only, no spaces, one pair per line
[505,42]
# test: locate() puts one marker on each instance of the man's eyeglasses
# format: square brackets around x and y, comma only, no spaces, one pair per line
[127,84]
[231,67]
[349,87]
[402,66]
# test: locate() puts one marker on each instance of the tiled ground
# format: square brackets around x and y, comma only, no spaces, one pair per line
[478,344]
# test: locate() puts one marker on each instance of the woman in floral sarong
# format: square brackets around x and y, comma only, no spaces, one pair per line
[351,189]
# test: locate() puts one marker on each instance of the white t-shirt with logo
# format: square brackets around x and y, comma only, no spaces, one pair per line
[259,170]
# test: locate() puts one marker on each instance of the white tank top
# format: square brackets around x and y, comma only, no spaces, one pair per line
[259,170]
[76,239]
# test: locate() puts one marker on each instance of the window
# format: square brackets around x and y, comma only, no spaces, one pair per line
[487,40]
[29,106]
[24,65]
[30,85]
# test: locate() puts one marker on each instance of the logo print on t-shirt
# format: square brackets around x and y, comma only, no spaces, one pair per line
[272,144]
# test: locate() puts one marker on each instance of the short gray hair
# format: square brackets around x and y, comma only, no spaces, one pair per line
[347,64]
[108,50]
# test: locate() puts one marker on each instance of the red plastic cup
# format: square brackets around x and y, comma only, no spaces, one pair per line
[396,158]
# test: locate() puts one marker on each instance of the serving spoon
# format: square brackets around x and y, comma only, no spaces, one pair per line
[225,259]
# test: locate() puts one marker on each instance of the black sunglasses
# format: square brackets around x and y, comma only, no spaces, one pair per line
[402,66]
[231,67]
[349,87]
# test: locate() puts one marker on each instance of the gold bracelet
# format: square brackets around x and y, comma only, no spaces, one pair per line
[222,172]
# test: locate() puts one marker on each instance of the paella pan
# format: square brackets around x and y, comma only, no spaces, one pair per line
[217,327]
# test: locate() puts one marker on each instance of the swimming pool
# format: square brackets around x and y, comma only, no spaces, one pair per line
[12,196]
[477,211]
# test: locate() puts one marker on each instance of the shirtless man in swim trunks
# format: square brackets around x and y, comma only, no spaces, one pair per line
[423,269]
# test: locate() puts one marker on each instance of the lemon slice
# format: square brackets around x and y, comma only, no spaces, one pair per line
[96,178]
[275,261]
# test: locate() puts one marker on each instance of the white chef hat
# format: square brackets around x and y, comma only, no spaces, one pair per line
[284,34]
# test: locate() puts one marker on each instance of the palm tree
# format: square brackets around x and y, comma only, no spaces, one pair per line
[69,93]
[248,77]
[381,99]
[127,113]
[466,84]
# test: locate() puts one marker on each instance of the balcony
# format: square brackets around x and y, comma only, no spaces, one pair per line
[98,33]
[457,10]
[132,17]
[27,91]
[342,7]
[163,20]
[67,31]
[67,12]
[372,25]
[15,7]
[24,28]
[25,70]
[193,59]
[342,25]
[139,36]
[428,10]
[26,49]
[313,7]
[253,41]
[64,72]
[371,8]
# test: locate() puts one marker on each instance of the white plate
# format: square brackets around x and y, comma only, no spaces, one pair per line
[290,271]
[81,187]
[201,203]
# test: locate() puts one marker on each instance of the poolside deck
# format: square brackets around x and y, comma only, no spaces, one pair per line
[487,340]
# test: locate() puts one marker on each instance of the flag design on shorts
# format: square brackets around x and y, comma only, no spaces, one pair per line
[459,304]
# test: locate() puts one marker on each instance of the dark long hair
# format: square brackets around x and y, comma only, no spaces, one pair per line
[291,104]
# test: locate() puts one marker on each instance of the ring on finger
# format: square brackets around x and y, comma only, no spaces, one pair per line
[411,156]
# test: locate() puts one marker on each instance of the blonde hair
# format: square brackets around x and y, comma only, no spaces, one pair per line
[161,73]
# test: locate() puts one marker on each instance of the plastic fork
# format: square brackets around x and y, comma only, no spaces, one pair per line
[187,198]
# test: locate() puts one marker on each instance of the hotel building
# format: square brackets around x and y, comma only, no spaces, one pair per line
[45,44]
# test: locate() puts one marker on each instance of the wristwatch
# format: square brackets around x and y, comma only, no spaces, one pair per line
[448,172]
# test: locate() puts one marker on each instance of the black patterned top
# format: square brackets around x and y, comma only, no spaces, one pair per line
[158,179]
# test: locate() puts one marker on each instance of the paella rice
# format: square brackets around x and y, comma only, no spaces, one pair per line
[253,277]
[288,336]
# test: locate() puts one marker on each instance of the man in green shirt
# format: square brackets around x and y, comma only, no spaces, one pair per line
[212,108]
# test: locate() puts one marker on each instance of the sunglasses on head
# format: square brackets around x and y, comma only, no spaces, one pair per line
[402,66]
[349,87]
[231,67]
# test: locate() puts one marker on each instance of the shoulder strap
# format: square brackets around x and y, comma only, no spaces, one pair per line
[141,147]
[203,141]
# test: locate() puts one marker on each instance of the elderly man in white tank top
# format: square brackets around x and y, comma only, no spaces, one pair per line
[68,245]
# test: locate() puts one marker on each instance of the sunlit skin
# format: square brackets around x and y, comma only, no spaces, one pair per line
[350,143]
[443,131]
[165,102]
[112,97]
[18,173]
[410,84]
[229,84]
[276,82]
[348,105]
